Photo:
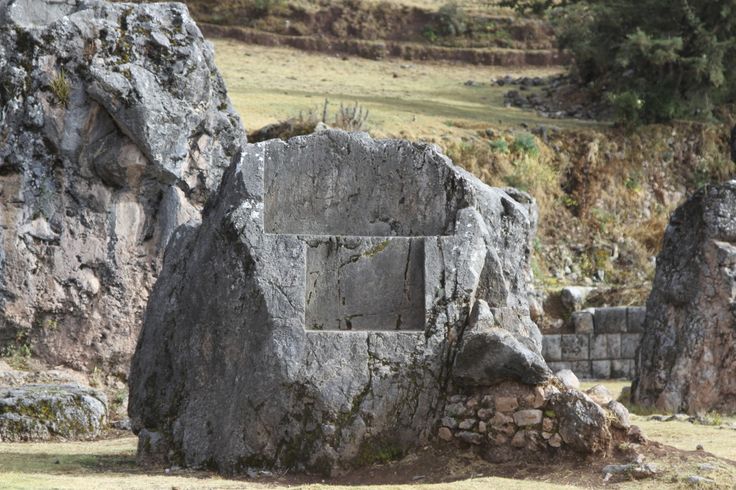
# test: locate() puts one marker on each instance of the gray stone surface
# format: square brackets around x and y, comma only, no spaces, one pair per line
[629,344]
[568,378]
[574,347]
[611,320]
[583,424]
[600,369]
[583,321]
[94,182]
[635,317]
[38,412]
[573,297]
[605,346]
[551,347]
[622,368]
[608,355]
[365,284]
[229,370]
[687,356]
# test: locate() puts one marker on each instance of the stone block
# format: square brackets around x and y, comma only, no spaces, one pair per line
[583,321]
[605,346]
[574,347]
[469,437]
[582,369]
[523,418]
[622,368]
[635,319]
[629,344]
[485,413]
[610,320]
[499,420]
[559,365]
[601,369]
[506,403]
[551,350]
[445,434]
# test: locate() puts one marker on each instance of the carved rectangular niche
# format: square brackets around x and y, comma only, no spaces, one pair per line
[361,283]
[315,194]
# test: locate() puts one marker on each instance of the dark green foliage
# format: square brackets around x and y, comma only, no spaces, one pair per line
[453,20]
[526,144]
[655,60]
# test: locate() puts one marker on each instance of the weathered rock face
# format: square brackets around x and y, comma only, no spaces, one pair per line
[115,127]
[320,314]
[687,355]
[39,412]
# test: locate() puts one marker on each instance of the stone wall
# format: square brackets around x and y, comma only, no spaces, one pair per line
[602,344]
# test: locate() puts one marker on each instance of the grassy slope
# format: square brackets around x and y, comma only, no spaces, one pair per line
[426,101]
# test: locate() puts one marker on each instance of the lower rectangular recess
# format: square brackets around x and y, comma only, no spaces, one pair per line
[365,283]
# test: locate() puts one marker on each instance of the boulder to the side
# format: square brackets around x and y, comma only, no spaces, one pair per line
[114,129]
[39,412]
[319,316]
[687,357]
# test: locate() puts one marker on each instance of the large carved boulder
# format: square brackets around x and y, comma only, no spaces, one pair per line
[342,300]
[687,357]
[114,128]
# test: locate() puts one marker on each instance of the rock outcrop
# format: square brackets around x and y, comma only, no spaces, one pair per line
[687,356]
[342,298]
[39,412]
[114,129]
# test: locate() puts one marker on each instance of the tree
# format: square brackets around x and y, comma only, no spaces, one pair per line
[654,59]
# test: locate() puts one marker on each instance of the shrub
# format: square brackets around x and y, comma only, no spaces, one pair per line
[627,109]
[499,145]
[429,34]
[526,144]
[61,88]
[453,20]
[676,57]
[348,118]
[264,7]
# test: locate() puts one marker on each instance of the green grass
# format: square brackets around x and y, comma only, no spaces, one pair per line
[425,100]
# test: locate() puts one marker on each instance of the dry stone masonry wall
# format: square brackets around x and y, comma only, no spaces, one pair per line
[603,344]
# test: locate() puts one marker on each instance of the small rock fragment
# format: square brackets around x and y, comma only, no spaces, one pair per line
[445,434]
[568,379]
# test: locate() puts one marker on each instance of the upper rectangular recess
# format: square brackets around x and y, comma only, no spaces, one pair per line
[309,191]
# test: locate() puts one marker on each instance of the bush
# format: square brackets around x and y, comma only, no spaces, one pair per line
[429,34]
[627,109]
[499,145]
[453,20]
[526,144]
[264,7]
[663,60]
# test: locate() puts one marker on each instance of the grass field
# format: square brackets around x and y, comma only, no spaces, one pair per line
[111,464]
[414,100]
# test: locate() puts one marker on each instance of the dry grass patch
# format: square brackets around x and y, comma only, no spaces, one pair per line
[415,100]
